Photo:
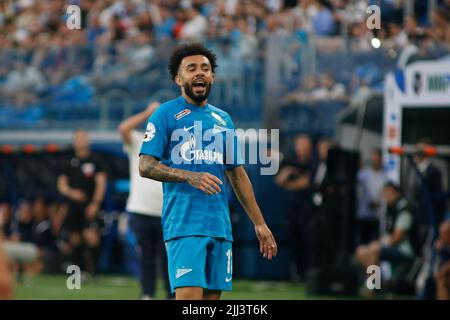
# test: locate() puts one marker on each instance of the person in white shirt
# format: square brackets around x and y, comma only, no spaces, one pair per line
[329,89]
[371,182]
[196,26]
[144,204]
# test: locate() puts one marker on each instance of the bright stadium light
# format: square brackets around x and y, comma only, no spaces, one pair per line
[375,42]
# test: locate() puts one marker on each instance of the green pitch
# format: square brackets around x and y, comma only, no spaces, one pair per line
[124,288]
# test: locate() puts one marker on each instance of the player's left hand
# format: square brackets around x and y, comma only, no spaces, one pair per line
[267,243]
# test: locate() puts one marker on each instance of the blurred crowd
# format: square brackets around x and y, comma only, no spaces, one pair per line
[34,24]
[398,226]
[317,88]
[37,221]
[40,56]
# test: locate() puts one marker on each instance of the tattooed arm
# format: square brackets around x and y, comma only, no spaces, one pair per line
[150,167]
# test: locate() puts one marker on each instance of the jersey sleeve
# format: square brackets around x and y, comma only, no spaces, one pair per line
[233,155]
[156,137]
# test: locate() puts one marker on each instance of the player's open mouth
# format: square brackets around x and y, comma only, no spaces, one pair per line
[199,85]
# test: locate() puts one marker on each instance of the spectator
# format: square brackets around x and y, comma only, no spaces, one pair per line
[440,27]
[323,21]
[116,30]
[412,29]
[305,91]
[430,190]
[397,37]
[360,37]
[144,206]
[295,176]
[83,183]
[421,50]
[144,23]
[180,20]
[395,243]
[355,11]
[323,147]
[361,89]
[326,209]
[329,89]
[370,198]
[95,30]
[163,29]
[43,237]
[24,78]
[23,226]
[196,25]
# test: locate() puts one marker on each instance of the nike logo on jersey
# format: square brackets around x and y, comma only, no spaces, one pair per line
[189,128]
[182,272]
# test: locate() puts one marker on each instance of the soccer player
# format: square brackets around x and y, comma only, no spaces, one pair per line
[196,221]
[144,205]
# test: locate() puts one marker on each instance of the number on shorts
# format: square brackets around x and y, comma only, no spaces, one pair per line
[229,264]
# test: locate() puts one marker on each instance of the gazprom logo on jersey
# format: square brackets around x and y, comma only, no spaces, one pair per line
[188,150]
[221,144]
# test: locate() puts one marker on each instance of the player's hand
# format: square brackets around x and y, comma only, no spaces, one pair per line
[91,211]
[77,195]
[204,181]
[267,244]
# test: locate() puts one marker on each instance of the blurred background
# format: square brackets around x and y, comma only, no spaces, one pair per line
[341,94]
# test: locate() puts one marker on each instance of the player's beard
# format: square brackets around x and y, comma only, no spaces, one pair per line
[197,98]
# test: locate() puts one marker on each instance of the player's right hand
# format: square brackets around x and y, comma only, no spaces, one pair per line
[77,195]
[205,181]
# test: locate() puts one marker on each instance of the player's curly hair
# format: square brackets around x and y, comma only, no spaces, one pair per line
[186,50]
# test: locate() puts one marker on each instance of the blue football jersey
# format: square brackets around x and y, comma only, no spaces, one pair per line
[201,139]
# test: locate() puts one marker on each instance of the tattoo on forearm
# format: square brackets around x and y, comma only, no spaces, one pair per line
[153,169]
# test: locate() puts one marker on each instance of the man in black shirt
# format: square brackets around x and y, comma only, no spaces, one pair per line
[83,183]
[426,196]
[295,177]
[22,229]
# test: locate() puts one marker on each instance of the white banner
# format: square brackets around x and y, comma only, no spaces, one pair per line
[421,84]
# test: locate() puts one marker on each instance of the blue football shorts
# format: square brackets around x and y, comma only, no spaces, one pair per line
[198,261]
